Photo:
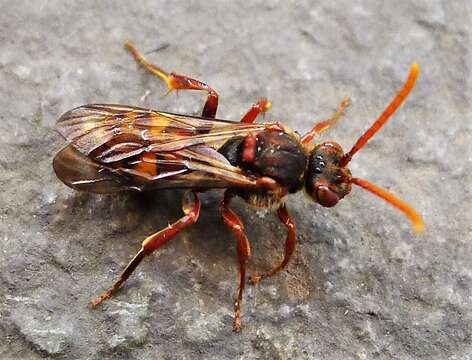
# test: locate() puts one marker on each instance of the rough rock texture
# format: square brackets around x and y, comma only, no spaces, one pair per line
[361,285]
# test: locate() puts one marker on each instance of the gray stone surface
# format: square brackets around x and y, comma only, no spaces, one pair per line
[361,285]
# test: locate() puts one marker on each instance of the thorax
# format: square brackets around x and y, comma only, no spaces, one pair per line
[268,153]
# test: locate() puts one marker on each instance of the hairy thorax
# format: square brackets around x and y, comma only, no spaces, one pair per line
[269,153]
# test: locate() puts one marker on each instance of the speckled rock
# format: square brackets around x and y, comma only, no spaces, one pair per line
[362,285]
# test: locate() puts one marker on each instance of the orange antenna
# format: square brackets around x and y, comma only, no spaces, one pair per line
[388,112]
[415,218]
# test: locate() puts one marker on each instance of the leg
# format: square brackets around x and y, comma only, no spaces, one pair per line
[191,209]
[290,242]
[259,107]
[244,252]
[324,125]
[250,142]
[179,82]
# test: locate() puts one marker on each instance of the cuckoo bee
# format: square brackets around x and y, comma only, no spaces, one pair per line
[114,148]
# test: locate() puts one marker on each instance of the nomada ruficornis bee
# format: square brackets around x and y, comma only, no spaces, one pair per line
[117,148]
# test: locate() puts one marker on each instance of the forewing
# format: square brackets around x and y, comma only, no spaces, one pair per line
[148,146]
[91,126]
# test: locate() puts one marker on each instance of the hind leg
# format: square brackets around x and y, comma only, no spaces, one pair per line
[179,82]
[191,209]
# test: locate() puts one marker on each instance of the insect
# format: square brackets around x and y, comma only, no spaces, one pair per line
[117,148]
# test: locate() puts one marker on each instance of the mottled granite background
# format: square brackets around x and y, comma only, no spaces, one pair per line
[361,285]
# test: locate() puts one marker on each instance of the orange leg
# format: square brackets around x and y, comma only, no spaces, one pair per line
[290,243]
[244,252]
[325,124]
[259,107]
[179,82]
[191,209]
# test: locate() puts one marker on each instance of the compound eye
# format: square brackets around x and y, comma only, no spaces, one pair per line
[326,197]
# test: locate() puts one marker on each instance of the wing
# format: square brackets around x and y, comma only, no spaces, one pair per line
[122,147]
[82,173]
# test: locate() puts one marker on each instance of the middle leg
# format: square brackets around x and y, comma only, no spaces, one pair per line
[259,107]
[244,252]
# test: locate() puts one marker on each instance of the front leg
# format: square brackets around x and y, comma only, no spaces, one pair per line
[290,243]
[325,124]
